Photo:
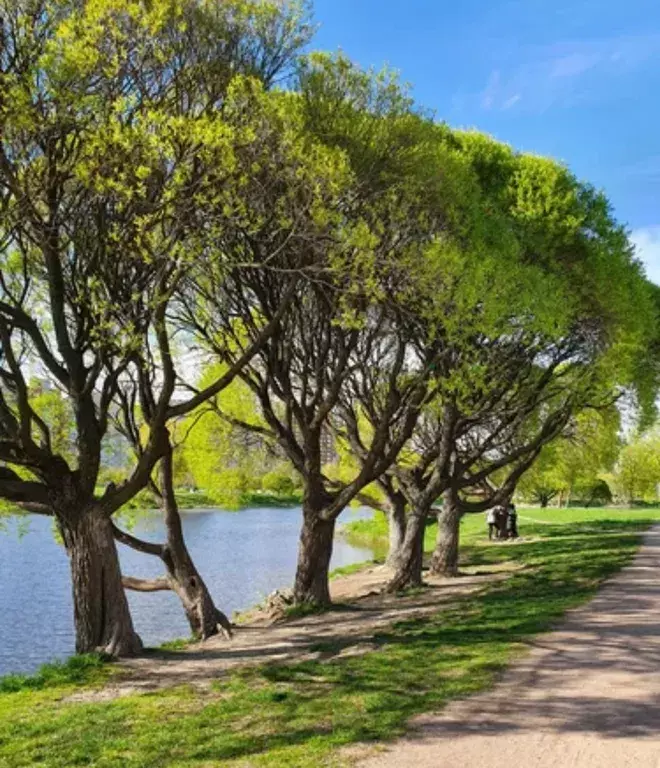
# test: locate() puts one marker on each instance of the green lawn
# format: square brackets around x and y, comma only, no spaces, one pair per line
[300,715]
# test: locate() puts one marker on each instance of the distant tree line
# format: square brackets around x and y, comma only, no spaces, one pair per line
[183,190]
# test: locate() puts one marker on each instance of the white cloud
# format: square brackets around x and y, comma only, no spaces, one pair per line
[491,90]
[511,101]
[573,64]
[647,249]
[564,73]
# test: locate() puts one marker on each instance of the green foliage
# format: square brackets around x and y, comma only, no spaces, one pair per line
[573,464]
[596,493]
[176,645]
[279,483]
[636,475]
[231,464]
[129,123]
[222,458]
[348,570]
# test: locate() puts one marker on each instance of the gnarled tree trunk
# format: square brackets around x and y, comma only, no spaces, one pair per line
[204,617]
[317,535]
[409,560]
[444,561]
[102,617]
[182,577]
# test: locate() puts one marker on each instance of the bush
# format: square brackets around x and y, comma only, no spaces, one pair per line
[593,494]
[278,483]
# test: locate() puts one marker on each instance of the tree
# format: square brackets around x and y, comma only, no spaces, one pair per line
[111,137]
[636,474]
[524,360]
[226,459]
[464,438]
[573,463]
[378,224]
[605,316]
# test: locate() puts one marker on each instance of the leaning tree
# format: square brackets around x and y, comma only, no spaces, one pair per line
[111,138]
[542,331]
[267,202]
[346,292]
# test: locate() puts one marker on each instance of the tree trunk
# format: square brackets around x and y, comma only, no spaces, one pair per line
[102,617]
[203,616]
[408,563]
[544,502]
[445,556]
[396,517]
[182,576]
[314,553]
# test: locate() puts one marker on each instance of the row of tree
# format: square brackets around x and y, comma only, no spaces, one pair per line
[592,463]
[181,189]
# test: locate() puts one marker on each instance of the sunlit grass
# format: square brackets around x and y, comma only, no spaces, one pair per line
[300,715]
[85,669]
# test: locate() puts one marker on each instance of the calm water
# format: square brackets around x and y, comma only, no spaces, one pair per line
[242,555]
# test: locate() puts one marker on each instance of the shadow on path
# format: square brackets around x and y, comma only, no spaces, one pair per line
[586,695]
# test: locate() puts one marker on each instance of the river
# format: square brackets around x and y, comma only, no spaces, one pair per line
[242,555]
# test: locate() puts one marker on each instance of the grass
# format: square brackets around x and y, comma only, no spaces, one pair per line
[347,570]
[304,609]
[180,644]
[300,715]
[532,521]
[87,669]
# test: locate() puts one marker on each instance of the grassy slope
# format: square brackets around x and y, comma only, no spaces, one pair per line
[299,715]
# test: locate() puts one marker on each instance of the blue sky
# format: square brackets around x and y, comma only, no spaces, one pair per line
[578,80]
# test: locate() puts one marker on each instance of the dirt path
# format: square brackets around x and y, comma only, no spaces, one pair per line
[587,696]
[347,630]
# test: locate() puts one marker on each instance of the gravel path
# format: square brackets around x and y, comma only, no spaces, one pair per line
[587,696]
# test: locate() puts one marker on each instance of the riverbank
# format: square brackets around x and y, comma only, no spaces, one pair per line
[187,500]
[191,500]
[243,556]
[314,711]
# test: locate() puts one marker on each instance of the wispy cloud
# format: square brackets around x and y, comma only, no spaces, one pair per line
[647,248]
[565,73]
[647,168]
[512,101]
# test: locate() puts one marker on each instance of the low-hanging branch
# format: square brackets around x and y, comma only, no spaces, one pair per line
[146,585]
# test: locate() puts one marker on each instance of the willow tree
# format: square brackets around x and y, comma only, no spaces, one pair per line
[265,187]
[587,448]
[532,329]
[604,310]
[342,290]
[111,143]
[459,445]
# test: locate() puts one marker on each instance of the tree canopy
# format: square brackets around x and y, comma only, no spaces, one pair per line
[182,189]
